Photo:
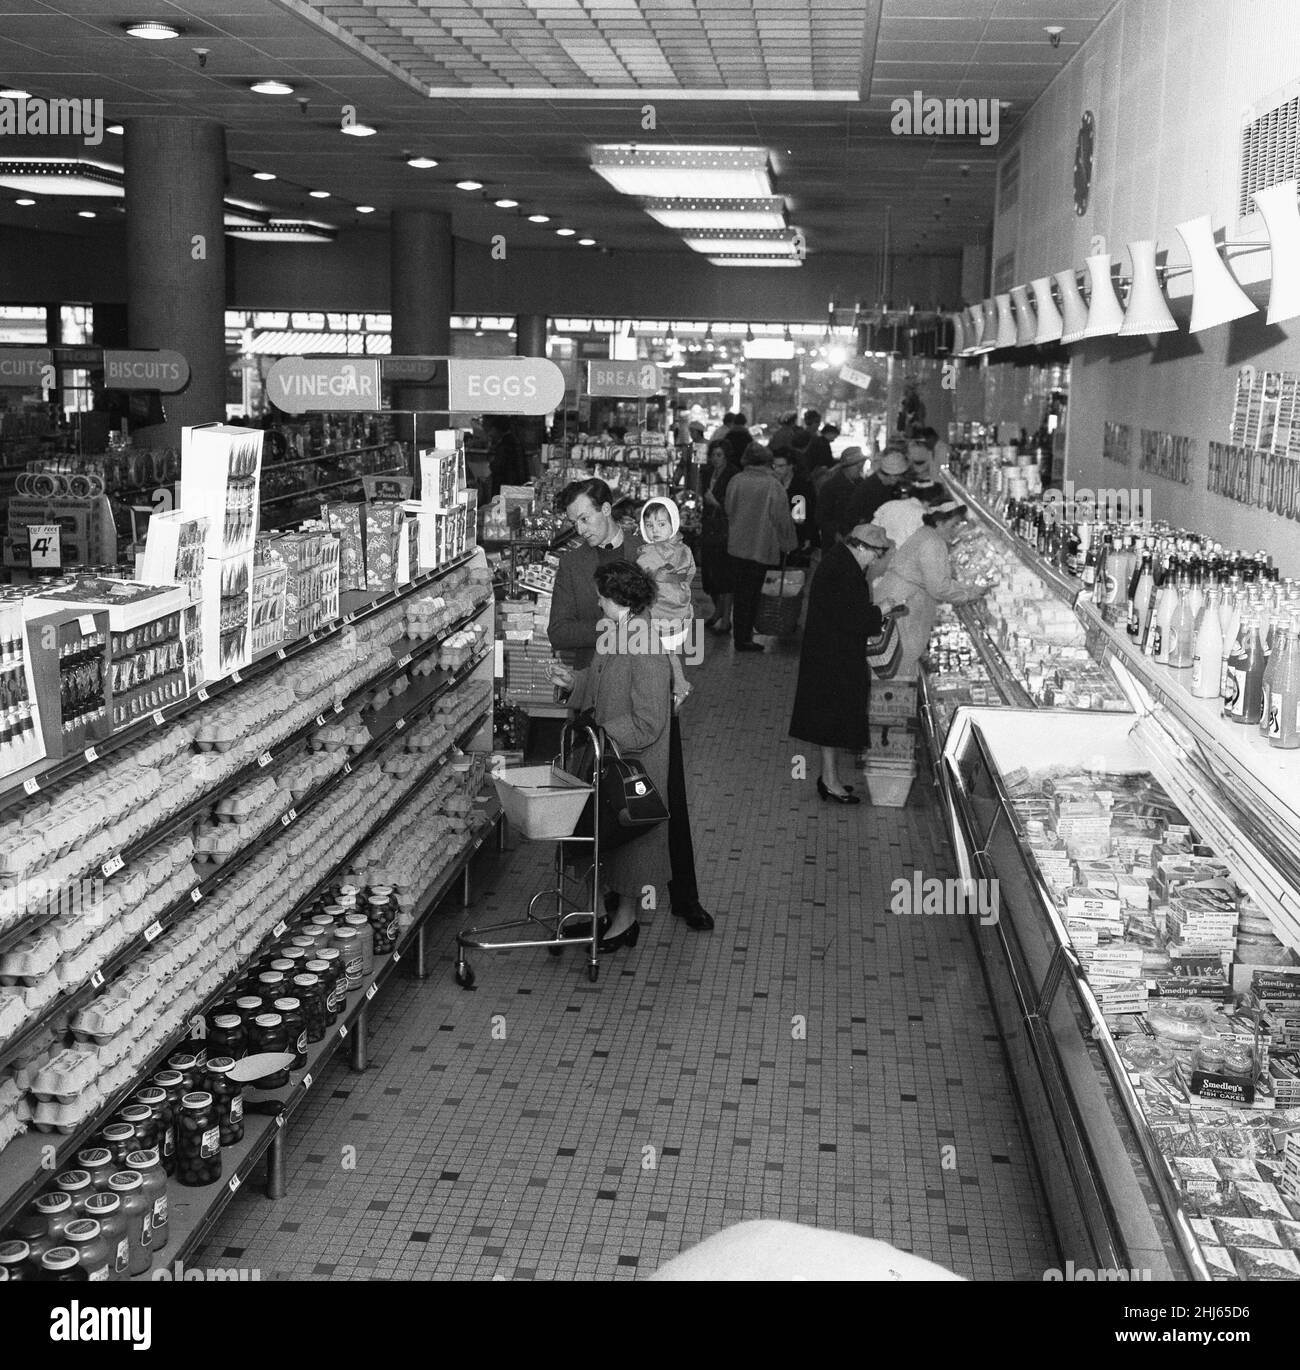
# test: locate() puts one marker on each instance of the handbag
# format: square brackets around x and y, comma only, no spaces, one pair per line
[885,650]
[630,802]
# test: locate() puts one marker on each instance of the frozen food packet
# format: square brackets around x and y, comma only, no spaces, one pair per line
[1250,1232]
[1219,1259]
[1266,1263]
[1262,1201]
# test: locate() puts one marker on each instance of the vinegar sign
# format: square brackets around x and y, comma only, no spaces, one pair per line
[297,385]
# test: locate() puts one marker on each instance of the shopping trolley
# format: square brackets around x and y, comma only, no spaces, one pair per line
[544,804]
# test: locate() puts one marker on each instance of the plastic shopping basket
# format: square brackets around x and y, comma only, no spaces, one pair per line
[541,802]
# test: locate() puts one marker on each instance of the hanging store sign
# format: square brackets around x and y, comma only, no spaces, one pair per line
[504,385]
[298,385]
[624,380]
[23,365]
[858,378]
[421,370]
[166,372]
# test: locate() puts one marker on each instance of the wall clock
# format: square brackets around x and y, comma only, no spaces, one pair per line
[1083,150]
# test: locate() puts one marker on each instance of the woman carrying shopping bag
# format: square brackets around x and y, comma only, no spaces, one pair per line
[760,533]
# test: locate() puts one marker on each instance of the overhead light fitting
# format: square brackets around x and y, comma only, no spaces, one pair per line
[1282,218]
[86,214]
[666,171]
[1050,327]
[469,185]
[152,32]
[749,260]
[365,209]
[753,212]
[287,231]
[358,130]
[1006,332]
[1105,313]
[25,201]
[116,130]
[565,232]
[240,214]
[1075,323]
[75,176]
[319,194]
[1053,32]
[421,163]
[539,218]
[1026,324]
[271,88]
[763,242]
[264,176]
[1147,311]
[586,242]
[959,344]
[506,204]
[1216,296]
[13,93]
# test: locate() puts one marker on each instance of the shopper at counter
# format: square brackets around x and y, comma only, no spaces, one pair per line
[575,614]
[835,496]
[884,483]
[715,561]
[831,698]
[920,577]
[759,533]
[629,693]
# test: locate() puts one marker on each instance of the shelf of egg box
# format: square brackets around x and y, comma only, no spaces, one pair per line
[193,1212]
[386,723]
[23,1172]
[354,606]
[405,653]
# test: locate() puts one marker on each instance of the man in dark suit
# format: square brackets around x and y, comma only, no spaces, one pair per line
[575,612]
[885,483]
[836,494]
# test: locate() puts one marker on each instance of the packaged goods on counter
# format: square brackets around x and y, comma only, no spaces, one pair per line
[221,469]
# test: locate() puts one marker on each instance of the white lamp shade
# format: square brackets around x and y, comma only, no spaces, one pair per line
[958,335]
[1076,312]
[1026,324]
[1050,327]
[1282,216]
[990,339]
[1216,296]
[974,329]
[1147,311]
[1105,313]
[1006,324]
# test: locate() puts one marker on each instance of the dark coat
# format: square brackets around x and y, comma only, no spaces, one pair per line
[830,700]
[869,496]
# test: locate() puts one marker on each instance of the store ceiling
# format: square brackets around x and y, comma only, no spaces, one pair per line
[781,74]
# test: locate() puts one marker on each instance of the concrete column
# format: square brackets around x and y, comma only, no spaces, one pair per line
[176,260]
[421,288]
[530,341]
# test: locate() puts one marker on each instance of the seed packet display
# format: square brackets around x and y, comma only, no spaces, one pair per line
[175,550]
[227,615]
[146,668]
[22,739]
[221,468]
[270,584]
[345,522]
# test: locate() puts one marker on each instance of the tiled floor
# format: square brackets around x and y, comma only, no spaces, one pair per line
[816,1058]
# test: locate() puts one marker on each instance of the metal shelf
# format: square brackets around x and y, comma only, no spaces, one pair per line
[333,485]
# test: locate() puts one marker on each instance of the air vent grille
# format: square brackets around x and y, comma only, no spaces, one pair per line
[1009,182]
[1270,151]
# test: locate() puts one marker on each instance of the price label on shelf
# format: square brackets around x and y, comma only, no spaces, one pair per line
[405,661]
[91,754]
[320,720]
[338,707]
[281,654]
[234,1183]
[31,785]
[195,895]
[400,724]
[312,637]
[397,956]
[287,818]
[371,992]
[280,929]
[306,1081]
[203,695]
[264,760]
[347,768]
[113,865]
[279,1120]
[97,979]
[158,717]
[351,618]
[236,678]
[153,932]
[343,1030]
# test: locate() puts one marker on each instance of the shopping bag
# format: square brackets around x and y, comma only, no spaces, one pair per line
[779,604]
[885,650]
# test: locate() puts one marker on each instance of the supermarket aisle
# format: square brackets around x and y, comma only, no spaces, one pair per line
[542,1127]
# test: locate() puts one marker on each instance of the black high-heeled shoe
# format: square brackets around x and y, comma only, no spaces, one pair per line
[830,795]
[626,938]
[581,927]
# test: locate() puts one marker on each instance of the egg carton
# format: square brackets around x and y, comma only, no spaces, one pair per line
[117,1049]
[136,985]
[11,1126]
[65,1077]
[116,1077]
[13,1013]
[31,958]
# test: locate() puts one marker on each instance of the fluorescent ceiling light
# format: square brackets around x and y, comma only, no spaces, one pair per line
[754,261]
[271,88]
[264,176]
[152,32]
[771,247]
[565,232]
[13,93]
[506,204]
[365,209]
[86,214]
[116,130]
[358,130]
[658,171]
[724,217]
[586,242]
[469,185]
[774,349]
[24,202]
[539,218]
[319,194]
[61,176]
[421,163]
[286,231]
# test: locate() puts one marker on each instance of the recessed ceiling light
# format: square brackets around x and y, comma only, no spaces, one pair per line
[469,185]
[506,204]
[86,214]
[24,202]
[358,130]
[154,32]
[286,231]
[116,130]
[264,175]
[271,88]
[586,242]
[755,212]
[421,163]
[565,232]
[539,218]
[13,93]
[365,209]
[670,172]
[319,194]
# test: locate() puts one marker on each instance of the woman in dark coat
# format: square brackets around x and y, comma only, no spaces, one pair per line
[715,563]
[830,701]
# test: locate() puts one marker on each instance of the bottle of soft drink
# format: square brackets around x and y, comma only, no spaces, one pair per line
[1207,661]
[1284,698]
[1182,625]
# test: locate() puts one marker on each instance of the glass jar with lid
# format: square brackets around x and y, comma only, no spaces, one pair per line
[296,956]
[199,1142]
[97,1162]
[141,1118]
[58,1211]
[226,1035]
[271,985]
[358,949]
[188,1066]
[329,967]
[119,1138]
[169,1081]
[290,1010]
[381,910]
[137,1214]
[106,1210]
[86,1238]
[325,921]
[15,1259]
[62,1265]
[266,1033]
[153,1188]
[32,1228]
[283,966]
[307,989]
[229,1097]
[301,943]
[347,895]
[77,1185]
[248,1006]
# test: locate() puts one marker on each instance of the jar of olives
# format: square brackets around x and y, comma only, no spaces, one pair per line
[357,951]
[119,1138]
[58,1212]
[382,913]
[296,956]
[62,1265]
[86,1237]
[290,1010]
[153,1190]
[155,1099]
[76,1184]
[283,966]
[301,943]
[248,1007]
[143,1124]
[307,988]
[347,895]
[226,1035]
[97,1162]
[266,1033]
[271,985]
[329,967]
[325,921]
[137,1214]
[33,1230]
[15,1259]
[199,1141]
[188,1066]
[106,1210]
[229,1099]
[169,1081]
